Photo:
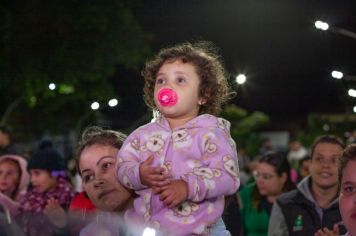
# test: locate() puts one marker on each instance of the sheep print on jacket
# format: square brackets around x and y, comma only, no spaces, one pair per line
[201,152]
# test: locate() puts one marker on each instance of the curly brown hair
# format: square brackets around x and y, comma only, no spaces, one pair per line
[214,88]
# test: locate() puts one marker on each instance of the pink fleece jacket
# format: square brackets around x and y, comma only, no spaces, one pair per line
[201,152]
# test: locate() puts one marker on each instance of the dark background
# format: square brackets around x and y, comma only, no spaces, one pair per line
[287,61]
[99,47]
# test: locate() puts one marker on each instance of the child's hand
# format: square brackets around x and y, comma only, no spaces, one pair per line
[174,193]
[326,232]
[152,176]
[55,213]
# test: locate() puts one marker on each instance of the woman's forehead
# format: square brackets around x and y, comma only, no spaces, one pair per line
[91,155]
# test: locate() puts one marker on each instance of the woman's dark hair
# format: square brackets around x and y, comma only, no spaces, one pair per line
[97,135]
[281,165]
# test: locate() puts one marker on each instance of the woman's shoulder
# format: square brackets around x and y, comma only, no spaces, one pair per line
[247,189]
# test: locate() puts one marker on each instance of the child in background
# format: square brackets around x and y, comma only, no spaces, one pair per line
[184,162]
[50,193]
[13,183]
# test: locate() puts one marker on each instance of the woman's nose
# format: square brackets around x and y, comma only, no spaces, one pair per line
[99,183]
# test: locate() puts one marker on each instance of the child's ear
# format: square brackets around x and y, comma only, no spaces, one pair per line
[202,101]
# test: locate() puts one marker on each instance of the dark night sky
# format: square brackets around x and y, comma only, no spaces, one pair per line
[274,42]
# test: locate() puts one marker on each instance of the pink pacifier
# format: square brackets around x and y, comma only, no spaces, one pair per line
[167,97]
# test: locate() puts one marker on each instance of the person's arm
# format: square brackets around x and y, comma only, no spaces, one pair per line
[218,175]
[9,204]
[128,167]
[136,172]
[277,223]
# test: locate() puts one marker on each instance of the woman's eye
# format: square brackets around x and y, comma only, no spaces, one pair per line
[88,178]
[106,166]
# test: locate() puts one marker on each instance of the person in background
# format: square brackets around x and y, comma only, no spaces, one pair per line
[266,146]
[50,192]
[96,161]
[304,168]
[6,145]
[14,180]
[314,204]
[296,152]
[347,194]
[9,228]
[184,162]
[256,199]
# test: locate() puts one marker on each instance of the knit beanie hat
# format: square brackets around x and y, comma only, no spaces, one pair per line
[46,157]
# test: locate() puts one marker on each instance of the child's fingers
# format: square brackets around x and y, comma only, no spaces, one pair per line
[161,183]
[52,202]
[336,229]
[173,204]
[156,190]
[164,194]
[168,201]
[148,161]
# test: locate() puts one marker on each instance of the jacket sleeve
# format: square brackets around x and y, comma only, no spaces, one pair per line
[9,204]
[218,174]
[277,224]
[129,163]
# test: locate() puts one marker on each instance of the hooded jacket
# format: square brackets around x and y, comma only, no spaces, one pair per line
[297,213]
[11,205]
[200,152]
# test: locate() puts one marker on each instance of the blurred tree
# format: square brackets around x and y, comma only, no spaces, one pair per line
[76,44]
[321,124]
[244,127]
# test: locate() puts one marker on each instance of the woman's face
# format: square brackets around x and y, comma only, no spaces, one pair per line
[97,168]
[347,199]
[267,180]
[9,177]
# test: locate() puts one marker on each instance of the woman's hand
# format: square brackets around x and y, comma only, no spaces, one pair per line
[326,232]
[152,176]
[56,213]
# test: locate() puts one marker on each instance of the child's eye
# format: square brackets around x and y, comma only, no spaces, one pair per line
[181,80]
[159,81]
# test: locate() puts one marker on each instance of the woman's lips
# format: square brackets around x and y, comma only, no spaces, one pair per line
[104,193]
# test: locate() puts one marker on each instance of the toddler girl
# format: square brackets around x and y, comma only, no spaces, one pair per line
[184,162]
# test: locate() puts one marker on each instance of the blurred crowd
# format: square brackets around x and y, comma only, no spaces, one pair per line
[295,192]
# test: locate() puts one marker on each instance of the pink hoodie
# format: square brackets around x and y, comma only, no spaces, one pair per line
[11,205]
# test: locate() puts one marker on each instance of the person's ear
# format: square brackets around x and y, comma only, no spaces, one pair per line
[284,177]
[201,101]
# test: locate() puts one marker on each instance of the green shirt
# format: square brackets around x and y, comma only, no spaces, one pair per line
[255,222]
